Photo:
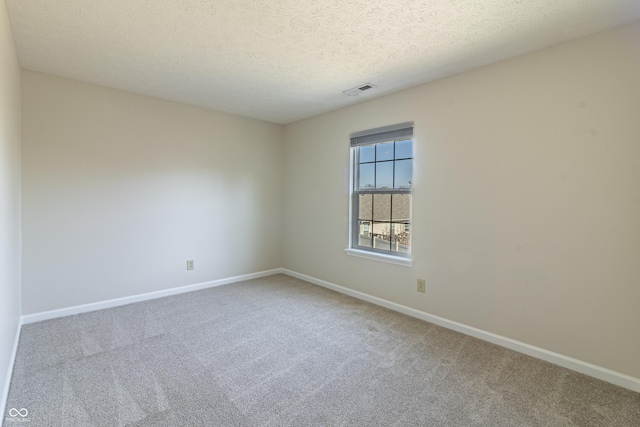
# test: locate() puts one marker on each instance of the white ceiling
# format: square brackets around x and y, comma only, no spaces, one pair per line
[284,60]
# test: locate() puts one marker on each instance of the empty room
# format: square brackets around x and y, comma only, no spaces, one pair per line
[320,213]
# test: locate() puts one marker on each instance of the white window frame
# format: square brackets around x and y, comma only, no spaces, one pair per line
[399,132]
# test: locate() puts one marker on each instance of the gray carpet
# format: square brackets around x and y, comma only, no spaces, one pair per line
[278,351]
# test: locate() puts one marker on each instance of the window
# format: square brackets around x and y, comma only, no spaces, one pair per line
[382,172]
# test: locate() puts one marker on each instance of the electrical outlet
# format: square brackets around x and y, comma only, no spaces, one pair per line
[421,285]
[189,264]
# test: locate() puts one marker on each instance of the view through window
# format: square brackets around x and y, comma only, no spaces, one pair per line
[383,173]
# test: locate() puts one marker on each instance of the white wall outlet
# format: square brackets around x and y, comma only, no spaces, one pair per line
[421,285]
[189,264]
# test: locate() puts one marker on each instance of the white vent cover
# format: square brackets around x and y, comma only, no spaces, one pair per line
[356,90]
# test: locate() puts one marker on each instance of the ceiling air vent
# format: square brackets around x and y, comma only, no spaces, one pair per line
[356,90]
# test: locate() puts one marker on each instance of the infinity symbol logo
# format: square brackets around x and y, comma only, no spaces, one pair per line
[15,412]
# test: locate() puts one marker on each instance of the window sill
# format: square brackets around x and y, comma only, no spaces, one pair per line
[405,262]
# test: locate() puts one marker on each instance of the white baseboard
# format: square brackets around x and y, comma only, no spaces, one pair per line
[12,360]
[46,315]
[595,371]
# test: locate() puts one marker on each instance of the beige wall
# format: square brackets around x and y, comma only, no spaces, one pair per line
[9,196]
[526,199]
[121,189]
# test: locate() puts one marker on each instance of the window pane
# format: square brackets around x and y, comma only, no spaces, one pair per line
[404,149]
[364,233]
[384,175]
[382,207]
[404,172]
[401,204]
[381,234]
[401,238]
[384,151]
[383,220]
[364,201]
[366,177]
[367,153]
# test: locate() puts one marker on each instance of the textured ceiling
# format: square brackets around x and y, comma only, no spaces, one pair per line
[283,60]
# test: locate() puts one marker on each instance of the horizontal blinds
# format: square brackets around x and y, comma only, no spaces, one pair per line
[386,133]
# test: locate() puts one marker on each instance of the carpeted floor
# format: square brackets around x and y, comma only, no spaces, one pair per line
[278,351]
